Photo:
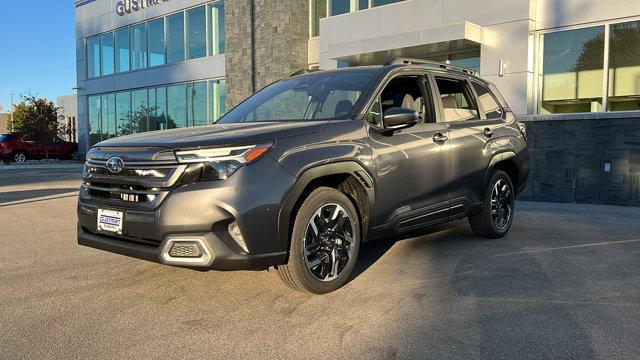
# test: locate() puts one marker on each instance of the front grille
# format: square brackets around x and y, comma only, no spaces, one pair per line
[143,185]
[130,173]
[118,195]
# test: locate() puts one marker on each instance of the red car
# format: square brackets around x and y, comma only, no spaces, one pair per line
[19,148]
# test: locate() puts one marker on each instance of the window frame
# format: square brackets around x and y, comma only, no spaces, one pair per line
[425,88]
[536,101]
[471,93]
[483,112]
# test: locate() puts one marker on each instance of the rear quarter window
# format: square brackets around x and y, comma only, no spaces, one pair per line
[489,104]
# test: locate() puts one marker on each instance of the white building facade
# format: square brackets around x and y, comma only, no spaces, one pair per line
[546,56]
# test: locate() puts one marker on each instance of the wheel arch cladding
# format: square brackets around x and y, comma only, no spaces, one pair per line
[506,162]
[347,177]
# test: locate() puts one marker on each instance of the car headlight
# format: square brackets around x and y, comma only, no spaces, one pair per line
[218,163]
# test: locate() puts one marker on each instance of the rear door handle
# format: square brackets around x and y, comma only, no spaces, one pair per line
[488,132]
[440,137]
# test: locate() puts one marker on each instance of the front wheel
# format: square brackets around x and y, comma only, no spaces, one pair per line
[497,208]
[324,243]
[19,157]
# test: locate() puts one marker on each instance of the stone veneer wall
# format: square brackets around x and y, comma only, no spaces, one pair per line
[569,157]
[281,42]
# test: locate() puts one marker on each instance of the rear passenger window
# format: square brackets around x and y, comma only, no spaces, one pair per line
[457,101]
[488,103]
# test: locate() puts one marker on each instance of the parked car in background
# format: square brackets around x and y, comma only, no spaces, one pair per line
[18,148]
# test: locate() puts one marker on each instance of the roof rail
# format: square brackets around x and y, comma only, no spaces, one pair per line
[303,71]
[399,60]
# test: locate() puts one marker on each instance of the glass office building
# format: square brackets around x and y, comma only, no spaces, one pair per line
[160,68]
[159,64]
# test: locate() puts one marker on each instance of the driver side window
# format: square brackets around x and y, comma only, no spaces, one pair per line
[403,92]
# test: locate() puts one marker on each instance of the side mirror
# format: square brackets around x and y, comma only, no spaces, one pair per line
[397,118]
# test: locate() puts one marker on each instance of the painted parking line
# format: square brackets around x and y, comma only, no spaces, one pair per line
[568,247]
[40,198]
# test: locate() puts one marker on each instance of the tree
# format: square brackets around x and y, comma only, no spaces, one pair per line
[136,121]
[623,49]
[38,119]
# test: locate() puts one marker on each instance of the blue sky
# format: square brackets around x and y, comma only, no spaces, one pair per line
[37,49]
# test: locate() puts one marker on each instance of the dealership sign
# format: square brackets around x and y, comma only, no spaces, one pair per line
[127,6]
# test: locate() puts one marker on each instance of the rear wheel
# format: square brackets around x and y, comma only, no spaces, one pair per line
[497,209]
[324,243]
[19,157]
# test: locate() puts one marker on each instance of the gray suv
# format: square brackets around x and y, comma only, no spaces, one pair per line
[303,172]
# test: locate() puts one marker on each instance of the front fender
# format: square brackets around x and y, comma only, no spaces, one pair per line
[285,214]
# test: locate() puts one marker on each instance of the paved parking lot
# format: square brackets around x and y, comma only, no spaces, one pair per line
[565,283]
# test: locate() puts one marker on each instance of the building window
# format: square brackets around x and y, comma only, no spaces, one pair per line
[107,53]
[338,7]
[175,38]
[156,108]
[383,2]
[95,117]
[466,60]
[93,57]
[108,127]
[217,99]
[139,111]
[572,64]
[196,36]
[177,105]
[123,112]
[197,104]
[216,28]
[122,50]
[624,67]
[317,11]
[158,42]
[138,46]
[155,29]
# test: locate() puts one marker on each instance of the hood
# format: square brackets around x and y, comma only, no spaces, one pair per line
[217,135]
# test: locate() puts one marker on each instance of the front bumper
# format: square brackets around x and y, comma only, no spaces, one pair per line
[221,256]
[200,213]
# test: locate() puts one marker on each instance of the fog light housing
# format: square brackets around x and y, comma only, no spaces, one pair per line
[185,249]
[236,235]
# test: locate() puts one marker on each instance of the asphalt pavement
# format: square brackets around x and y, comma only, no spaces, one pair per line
[564,283]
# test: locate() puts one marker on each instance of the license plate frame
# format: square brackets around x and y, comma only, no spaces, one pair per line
[110,221]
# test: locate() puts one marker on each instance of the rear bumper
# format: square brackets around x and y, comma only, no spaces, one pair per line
[221,257]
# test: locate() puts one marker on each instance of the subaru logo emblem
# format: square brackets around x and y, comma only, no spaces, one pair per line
[115,164]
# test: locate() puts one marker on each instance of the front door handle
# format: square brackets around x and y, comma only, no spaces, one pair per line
[488,132]
[440,137]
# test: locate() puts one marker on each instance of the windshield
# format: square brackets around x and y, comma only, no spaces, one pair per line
[6,137]
[320,96]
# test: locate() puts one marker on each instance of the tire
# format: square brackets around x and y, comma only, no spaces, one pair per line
[19,157]
[497,212]
[331,249]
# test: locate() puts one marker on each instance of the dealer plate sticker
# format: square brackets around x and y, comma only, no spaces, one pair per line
[110,220]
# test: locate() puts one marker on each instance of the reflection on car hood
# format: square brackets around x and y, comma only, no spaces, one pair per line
[218,134]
